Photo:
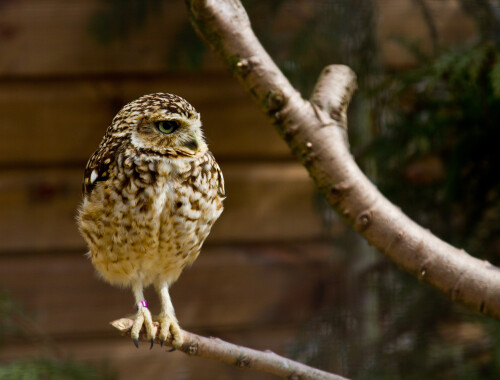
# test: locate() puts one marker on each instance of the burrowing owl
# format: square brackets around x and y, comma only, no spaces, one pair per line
[151,193]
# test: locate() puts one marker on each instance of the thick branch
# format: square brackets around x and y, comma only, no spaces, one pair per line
[241,357]
[318,139]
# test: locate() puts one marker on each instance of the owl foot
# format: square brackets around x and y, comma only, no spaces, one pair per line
[169,326]
[143,317]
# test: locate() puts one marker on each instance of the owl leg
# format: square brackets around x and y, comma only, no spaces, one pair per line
[143,316]
[168,321]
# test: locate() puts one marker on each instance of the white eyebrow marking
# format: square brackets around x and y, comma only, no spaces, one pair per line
[93,176]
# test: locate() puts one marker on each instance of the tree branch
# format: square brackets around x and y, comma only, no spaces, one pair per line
[333,92]
[317,137]
[241,357]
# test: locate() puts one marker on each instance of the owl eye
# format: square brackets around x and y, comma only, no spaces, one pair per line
[167,126]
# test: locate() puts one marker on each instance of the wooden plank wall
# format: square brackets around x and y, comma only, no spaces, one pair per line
[266,265]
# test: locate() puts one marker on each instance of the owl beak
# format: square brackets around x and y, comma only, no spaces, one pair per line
[192,144]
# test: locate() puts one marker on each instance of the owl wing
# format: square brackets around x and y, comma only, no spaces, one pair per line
[221,190]
[97,168]
[217,173]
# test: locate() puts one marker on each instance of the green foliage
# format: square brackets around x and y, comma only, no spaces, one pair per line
[187,51]
[495,76]
[118,19]
[8,314]
[15,324]
[39,369]
[447,110]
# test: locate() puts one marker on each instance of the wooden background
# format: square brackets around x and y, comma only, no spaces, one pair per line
[267,266]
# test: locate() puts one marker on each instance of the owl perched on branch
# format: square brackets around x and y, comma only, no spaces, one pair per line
[151,194]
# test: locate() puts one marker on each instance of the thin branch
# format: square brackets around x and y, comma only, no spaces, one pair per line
[333,92]
[241,357]
[318,140]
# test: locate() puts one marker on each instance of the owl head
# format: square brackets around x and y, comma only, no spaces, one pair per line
[161,123]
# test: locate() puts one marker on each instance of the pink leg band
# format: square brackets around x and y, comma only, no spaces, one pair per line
[143,304]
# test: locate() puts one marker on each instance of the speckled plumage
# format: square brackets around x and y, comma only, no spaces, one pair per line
[149,201]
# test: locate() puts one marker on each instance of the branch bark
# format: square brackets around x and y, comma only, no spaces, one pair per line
[316,132]
[241,357]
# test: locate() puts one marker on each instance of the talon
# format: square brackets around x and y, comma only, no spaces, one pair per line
[170,327]
[152,343]
[142,318]
[172,349]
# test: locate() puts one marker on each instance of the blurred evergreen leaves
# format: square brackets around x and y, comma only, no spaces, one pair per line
[39,369]
[15,324]
[118,19]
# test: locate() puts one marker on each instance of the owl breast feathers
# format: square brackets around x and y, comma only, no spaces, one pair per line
[152,192]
